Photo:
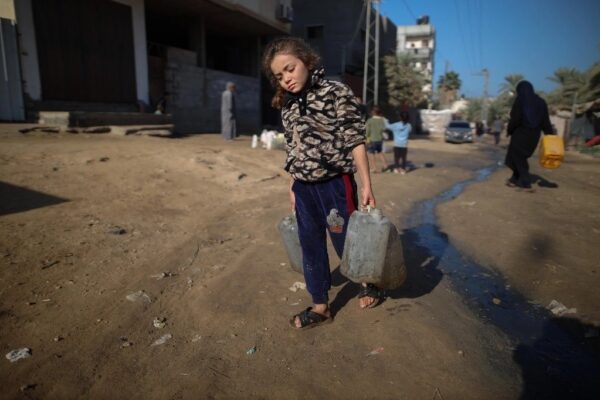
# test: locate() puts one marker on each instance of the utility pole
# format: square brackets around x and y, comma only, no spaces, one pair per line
[486,83]
[371,65]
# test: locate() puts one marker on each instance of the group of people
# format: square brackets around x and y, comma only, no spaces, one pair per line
[496,129]
[401,129]
[327,142]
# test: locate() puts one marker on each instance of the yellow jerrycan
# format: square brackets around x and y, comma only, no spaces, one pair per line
[552,151]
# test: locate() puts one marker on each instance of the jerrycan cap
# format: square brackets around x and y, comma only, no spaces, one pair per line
[374,212]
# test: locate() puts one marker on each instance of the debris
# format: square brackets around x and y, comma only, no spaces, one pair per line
[558,309]
[162,340]
[241,176]
[159,322]
[437,394]
[117,230]
[282,264]
[196,338]
[268,178]
[104,159]
[139,295]
[375,352]
[427,261]
[461,353]
[294,304]
[18,354]
[29,386]
[469,203]
[125,342]
[48,263]
[58,338]
[251,350]
[496,301]
[298,285]
[162,275]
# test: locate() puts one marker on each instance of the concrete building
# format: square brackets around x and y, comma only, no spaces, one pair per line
[336,28]
[418,42]
[112,56]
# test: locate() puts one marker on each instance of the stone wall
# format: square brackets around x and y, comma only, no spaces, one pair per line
[195,102]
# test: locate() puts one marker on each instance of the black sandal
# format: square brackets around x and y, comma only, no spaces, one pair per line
[309,319]
[371,291]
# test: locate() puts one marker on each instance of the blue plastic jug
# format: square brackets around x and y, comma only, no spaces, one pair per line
[373,251]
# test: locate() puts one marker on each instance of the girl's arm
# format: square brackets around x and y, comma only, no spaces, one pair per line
[292,195]
[362,164]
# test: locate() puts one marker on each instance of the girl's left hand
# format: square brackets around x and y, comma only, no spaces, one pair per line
[367,197]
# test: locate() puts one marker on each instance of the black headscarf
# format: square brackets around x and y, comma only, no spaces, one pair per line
[532,105]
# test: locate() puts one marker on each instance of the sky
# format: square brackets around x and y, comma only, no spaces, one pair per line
[529,37]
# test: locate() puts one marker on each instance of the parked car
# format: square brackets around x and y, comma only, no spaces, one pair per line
[459,132]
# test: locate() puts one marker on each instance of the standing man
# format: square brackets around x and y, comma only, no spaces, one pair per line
[228,128]
[497,127]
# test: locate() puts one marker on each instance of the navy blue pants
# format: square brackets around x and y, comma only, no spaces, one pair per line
[321,207]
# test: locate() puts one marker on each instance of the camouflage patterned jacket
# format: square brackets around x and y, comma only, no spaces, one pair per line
[322,125]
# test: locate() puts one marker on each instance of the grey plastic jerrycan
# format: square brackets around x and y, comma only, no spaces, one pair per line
[373,251]
[288,228]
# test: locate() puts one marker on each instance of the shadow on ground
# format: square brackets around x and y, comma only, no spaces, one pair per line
[421,267]
[14,199]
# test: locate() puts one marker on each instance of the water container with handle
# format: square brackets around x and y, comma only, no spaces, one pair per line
[288,228]
[373,251]
[552,151]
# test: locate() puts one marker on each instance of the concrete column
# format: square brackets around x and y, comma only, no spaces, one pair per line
[138,16]
[30,67]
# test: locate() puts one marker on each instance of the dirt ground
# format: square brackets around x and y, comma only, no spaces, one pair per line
[86,220]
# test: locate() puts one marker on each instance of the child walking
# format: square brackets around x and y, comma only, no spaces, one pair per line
[375,127]
[401,131]
[325,143]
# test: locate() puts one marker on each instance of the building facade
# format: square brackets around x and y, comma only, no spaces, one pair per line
[124,55]
[336,29]
[418,43]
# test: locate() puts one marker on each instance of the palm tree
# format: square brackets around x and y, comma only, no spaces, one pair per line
[450,81]
[509,86]
[572,86]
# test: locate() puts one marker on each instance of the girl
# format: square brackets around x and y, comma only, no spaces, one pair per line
[401,131]
[325,138]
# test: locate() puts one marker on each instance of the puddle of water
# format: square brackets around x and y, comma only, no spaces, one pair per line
[554,364]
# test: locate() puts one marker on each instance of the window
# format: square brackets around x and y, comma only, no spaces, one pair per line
[425,43]
[314,32]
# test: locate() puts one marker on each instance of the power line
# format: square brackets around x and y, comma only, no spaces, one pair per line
[480,31]
[462,36]
[409,10]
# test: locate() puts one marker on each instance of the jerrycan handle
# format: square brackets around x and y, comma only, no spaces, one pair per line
[373,211]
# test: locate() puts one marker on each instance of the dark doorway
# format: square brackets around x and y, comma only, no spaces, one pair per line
[85,50]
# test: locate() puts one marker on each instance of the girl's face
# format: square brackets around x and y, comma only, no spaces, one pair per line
[290,72]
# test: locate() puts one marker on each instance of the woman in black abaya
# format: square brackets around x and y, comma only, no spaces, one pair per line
[528,116]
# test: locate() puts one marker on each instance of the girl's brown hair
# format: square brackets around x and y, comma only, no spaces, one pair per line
[287,45]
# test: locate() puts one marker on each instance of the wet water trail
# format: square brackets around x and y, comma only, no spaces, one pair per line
[555,361]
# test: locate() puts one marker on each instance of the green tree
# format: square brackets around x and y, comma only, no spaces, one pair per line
[404,83]
[473,111]
[574,86]
[450,81]
[509,86]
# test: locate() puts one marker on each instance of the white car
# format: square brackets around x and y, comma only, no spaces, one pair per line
[458,132]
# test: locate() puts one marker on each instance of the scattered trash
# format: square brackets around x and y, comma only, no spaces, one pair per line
[58,338]
[282,264]
[29,386]
[18,354]
[162,340]
[159,322]
[469,203]
[190,283]
[437,394]
[104,159]
[461,353]
[496,301]
[139,295]
[162,275]
[125,342]
[558,309]
[48,263]
[298,285]
[295,304]
[427,261]
[375,352]
[242,176]
[196,338]
[117,230]
[251,350]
